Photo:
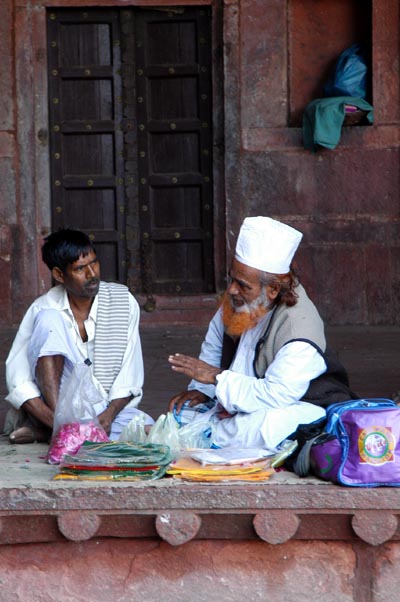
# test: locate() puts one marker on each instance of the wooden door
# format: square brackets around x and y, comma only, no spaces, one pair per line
[173,83]
[131,141]
[86,137]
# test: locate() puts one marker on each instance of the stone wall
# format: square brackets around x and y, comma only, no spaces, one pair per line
[289,540]
[346,200]
[200,571]
[274,57]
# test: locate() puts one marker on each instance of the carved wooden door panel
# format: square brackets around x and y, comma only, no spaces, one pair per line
[173,84]
[86,138]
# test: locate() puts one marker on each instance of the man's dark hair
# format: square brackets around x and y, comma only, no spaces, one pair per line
[65,247]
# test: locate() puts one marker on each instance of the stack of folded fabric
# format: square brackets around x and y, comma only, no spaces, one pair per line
[206,468]
[117,461]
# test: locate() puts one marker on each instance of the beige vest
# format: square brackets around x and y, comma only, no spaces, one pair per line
[300,322]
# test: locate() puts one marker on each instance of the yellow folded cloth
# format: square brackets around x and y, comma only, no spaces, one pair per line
[190,470]
[253,478]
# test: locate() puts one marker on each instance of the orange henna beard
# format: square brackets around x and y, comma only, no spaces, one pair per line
[236,323]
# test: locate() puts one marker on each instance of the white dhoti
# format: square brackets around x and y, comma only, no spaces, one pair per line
[265,428]
[53,335]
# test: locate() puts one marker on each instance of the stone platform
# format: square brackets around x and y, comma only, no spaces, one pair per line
[287,540]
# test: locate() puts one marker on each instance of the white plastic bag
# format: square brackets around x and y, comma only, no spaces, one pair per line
[75,419]
[134,430]
[166,432]
[77,398]
[196,435]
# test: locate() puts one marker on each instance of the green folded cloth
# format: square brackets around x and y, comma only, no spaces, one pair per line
[323,119]
[118,454]
[116,461]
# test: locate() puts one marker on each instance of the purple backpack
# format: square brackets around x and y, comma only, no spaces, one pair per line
[360,445]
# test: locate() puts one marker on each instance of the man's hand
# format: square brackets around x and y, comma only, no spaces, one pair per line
[107,417]
[194,397]
[194,368]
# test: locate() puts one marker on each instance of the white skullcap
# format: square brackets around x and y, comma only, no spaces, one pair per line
[267,245]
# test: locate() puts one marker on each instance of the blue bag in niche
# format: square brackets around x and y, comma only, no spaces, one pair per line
[360,445]
[350,75]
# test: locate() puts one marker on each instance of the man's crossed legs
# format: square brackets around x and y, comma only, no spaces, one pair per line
[52,354]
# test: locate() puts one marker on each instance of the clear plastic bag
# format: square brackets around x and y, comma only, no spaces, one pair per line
[166,432]
[134,431]
[194,435]
[75,419]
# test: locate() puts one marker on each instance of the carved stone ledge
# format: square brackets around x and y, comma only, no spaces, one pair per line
[78,526]
[177,527]
[276,526]
[374,526]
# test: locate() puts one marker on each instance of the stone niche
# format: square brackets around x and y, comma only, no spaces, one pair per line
[318,31]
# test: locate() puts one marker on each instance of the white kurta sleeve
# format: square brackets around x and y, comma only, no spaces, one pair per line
[19,378]
[211,352]
[130,378]
[286,381]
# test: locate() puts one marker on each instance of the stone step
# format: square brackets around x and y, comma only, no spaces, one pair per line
[190,310]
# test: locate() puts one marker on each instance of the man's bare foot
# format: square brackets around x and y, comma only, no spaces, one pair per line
[28,434]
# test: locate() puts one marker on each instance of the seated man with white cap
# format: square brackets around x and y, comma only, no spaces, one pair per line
[264,368]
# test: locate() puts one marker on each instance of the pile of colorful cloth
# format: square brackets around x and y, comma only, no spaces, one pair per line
[188,469]
[116,461]
[221,465]
[128,461]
